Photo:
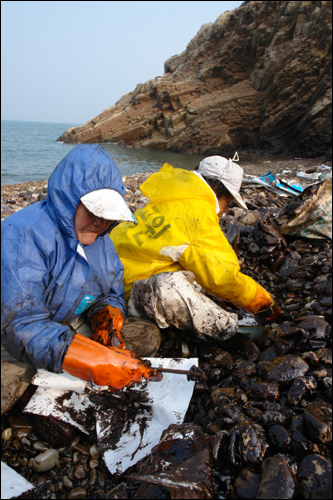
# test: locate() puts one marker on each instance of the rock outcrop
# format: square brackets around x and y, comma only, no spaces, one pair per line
[258,78]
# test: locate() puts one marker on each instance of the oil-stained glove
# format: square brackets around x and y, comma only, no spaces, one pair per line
[270,313]
[107,324]
[93,362]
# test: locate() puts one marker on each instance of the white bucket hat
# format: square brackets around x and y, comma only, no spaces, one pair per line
[229,173]
[108,204]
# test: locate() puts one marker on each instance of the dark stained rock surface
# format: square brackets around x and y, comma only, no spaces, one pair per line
[318,418]
[277,479]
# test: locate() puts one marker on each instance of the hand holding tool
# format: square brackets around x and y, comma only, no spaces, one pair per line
[93,362]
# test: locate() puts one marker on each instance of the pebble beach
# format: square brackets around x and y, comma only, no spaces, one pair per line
[265,409]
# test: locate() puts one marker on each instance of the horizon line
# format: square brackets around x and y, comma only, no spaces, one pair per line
[34,121]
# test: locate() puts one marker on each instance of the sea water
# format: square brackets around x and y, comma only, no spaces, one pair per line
[30,152]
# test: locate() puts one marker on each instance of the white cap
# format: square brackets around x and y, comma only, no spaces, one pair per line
[108,204]
[229,173]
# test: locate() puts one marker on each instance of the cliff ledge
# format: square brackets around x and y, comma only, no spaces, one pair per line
[258,78]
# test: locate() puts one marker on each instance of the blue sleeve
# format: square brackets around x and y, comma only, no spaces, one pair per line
[116,295]
[27,331]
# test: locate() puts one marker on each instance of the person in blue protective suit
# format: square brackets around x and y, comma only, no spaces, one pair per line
[58,265]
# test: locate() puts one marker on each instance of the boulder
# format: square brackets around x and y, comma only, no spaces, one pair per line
[258,77]
[15,379]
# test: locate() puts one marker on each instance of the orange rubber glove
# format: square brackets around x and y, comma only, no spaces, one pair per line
[93,362]
[107,324]
[269,314]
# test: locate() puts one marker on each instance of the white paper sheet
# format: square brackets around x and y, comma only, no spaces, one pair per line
[168,403]
[171,398]
[64,382]
[12,484]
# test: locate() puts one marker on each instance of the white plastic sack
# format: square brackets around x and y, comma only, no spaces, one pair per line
[310,214]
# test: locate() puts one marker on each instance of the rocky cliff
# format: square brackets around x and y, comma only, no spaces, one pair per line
[258,78]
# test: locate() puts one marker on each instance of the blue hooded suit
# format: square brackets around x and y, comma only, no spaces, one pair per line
[47,277]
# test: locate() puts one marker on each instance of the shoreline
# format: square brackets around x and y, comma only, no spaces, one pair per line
[259,166]
[15,197]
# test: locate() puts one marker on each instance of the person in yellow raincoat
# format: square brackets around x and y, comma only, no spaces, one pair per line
[179,230]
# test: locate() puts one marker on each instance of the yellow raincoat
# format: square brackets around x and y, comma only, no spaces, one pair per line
[179,229]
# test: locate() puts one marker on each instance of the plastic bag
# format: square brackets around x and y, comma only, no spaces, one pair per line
[309,215]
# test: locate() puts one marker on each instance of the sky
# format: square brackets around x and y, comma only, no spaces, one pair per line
[65,62]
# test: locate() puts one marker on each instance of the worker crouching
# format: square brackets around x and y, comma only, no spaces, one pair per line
[60,274]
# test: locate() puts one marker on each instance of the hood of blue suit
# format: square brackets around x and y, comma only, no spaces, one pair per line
[84,169]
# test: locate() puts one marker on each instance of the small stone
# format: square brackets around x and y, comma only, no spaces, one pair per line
[40,446]
[326,302]
[212,428]
[215,374]
[310,357]
[318,419]
[265,390]
[21,422]
[16,444]
[299,388]
[273,417]
[251,351]
[246,484]
[70,472]
[272,406]
[7,434]
[45,461]
[43,480]
[244,368]
[285,368]
[79,472]
[84,459]
[94,451]
[102,478]
[77,493]
[66,453]
[82,449]
[254,413]
[279,437]
[67,482]
[92,477]
[23,461]
[101,493]
[93,463]
[21,433]
[76,457]
[75,441]
[185,351]
[325,356]
[241,396]
[217,444]
[276,477]
[315,471]
[221,394]
[168,344]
